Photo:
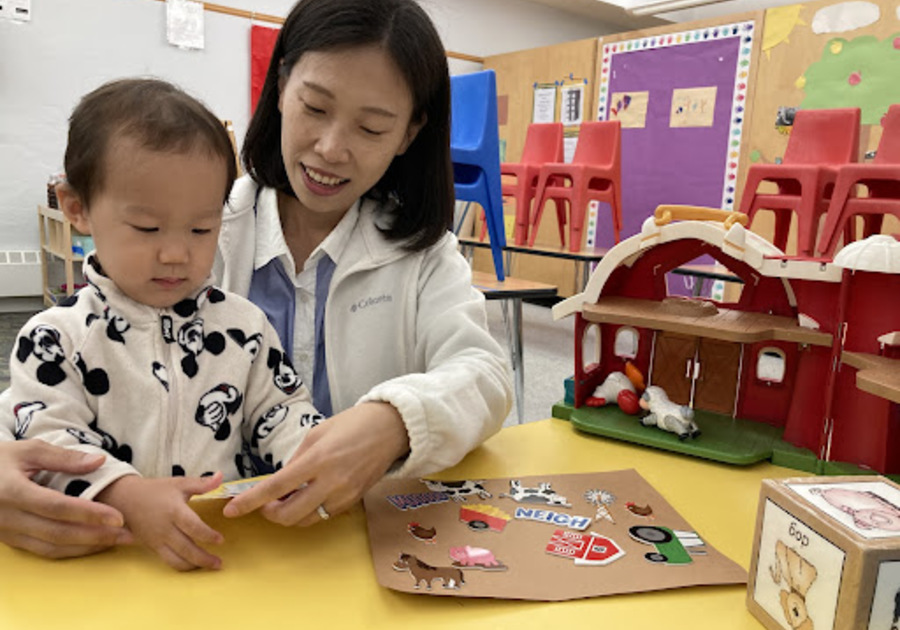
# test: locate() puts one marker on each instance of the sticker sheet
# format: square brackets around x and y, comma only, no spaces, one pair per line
[549,538]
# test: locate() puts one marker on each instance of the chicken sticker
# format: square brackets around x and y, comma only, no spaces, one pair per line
[425,534]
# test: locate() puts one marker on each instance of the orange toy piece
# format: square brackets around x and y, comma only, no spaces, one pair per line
[635,376]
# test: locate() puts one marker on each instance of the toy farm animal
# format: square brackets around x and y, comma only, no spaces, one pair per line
[452,577]
[667,415]
[475,558]
[458,490]
[618,389]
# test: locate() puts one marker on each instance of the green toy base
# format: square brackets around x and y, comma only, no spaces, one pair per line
[722,439]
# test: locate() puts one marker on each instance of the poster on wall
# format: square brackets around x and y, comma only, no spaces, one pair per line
[680,98]
[693,107]
[630,109]
[571,109]
[544,110]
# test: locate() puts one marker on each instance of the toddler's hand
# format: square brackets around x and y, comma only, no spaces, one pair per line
[157,513]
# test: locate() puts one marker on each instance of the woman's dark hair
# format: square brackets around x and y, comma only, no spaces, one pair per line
[421,178]
[156,114]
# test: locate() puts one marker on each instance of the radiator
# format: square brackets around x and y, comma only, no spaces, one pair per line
[20,273]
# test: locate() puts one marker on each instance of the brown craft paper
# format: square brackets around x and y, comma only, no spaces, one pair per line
[531,572]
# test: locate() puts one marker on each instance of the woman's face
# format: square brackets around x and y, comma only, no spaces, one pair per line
[345,116]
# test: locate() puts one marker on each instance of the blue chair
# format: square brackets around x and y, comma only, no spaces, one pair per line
[475,151]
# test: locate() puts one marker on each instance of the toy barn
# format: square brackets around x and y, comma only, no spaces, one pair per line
[802,368]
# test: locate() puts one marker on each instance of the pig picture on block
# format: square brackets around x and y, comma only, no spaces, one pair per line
[826,554]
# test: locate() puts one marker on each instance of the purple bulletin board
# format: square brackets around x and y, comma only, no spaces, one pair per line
[662,163]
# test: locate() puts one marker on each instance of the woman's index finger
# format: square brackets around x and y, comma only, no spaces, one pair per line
[272,488]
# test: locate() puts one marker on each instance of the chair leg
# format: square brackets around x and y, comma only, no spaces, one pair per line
[872,224]
[808,222]
[577,211]
[523,211]
[494,212]
[537,208]
[782,229]
[561,218]
[835,222]
[616,208]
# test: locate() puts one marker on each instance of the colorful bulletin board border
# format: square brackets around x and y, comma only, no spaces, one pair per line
[744,30]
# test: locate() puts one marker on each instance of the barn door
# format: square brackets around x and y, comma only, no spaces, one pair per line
[717,375]
[673,365]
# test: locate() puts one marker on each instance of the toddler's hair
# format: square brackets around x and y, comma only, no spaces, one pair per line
[157,115]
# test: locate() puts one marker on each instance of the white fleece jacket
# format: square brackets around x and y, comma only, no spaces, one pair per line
[187,390]
[402,327]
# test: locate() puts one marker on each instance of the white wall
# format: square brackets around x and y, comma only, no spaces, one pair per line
[71,47]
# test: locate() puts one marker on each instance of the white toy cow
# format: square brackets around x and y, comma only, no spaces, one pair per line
[667,415]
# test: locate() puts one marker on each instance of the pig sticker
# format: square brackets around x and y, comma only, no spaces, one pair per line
[475,558]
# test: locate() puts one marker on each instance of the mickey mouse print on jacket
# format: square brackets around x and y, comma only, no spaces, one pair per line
[187,390]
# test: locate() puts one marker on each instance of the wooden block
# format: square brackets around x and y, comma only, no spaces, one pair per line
[826,554]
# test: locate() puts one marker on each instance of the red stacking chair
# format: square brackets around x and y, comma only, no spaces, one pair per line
[594,174]
[882,179]
[821,141]
[543,144]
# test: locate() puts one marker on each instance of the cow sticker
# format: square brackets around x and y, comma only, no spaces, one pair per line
[458,490]
[542,494]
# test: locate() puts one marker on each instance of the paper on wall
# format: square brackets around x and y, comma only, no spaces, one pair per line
[846,16]
[16,10]
[184,24]
[693,107]
[630,109]
[572,104]
[544,103]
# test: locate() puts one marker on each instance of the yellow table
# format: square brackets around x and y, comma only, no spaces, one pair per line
[322,577]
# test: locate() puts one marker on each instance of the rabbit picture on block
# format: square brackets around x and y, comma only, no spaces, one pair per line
[826,554]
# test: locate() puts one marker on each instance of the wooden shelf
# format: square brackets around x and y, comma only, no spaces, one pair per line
[56,241]
[877,375]
[723,324]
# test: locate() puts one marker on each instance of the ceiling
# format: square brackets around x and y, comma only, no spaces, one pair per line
[613,13]
[603,12]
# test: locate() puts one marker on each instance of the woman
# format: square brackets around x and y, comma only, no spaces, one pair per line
[340,234]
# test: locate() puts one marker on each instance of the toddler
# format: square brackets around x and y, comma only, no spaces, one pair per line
[178,383]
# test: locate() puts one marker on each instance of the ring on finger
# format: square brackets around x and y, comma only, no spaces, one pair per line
[323,513]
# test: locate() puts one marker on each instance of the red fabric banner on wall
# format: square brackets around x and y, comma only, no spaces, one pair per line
[262,43]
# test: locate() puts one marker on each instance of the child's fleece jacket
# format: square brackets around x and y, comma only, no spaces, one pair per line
[186,390]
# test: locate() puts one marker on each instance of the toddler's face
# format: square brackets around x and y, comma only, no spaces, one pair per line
[156,219]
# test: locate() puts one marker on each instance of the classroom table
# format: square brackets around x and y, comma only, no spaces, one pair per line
[322,577]
[584,258]
[587,259]
[513,291]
